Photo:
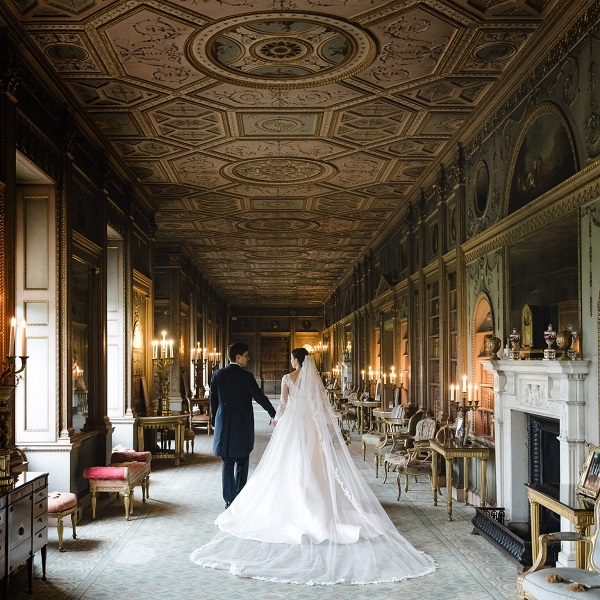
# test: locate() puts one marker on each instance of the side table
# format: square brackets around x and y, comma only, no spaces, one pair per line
[170,422]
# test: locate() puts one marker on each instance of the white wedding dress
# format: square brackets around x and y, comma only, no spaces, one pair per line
[307,515]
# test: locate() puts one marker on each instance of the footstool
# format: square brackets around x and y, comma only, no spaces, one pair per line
[125,471]
[60,505]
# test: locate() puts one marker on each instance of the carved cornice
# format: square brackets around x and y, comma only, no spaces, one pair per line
[10,72]
[550,61]
[36,146]
[117,219]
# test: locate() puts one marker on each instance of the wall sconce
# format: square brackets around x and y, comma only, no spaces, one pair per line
[9,380]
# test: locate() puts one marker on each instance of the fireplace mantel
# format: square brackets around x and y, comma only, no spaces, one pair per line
[548,388]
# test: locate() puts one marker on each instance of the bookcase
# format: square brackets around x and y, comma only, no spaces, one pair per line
[433,346]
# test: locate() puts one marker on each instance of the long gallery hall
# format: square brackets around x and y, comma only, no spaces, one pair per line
[405,192]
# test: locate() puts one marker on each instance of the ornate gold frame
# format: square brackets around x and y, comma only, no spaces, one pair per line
[589,476]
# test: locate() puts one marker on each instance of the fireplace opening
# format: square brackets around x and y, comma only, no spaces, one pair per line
[543,460]
[544,463]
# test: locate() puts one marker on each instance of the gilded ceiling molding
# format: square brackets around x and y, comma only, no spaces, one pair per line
[537,75]
[281,50]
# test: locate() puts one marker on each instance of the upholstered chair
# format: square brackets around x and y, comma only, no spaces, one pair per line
[378,438]
[402,438]
[554,583]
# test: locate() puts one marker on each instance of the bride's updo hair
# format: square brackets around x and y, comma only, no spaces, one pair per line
[300,354]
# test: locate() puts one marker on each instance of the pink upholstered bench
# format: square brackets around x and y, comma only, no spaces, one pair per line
[125,471]
[60,505]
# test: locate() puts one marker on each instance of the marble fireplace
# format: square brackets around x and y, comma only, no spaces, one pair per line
[548,389]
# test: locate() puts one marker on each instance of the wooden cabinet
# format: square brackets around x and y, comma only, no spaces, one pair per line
[275,361]
[23,526]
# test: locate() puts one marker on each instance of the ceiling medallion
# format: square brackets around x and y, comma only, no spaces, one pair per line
[275,171]
[281,50]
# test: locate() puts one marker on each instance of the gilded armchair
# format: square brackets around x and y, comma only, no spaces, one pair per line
[417,459]
[401,438]
[548,583]
[380,438]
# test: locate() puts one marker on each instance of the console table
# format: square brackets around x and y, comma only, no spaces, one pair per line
[450,451]
[23,526]
[174,423]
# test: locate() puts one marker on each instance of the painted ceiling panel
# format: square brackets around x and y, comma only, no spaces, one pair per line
[286,137]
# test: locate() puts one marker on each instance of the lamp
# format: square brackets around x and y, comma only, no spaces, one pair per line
[9,380]
[162,359]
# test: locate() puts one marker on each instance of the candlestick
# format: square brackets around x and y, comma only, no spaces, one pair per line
[23,338]
[11,342]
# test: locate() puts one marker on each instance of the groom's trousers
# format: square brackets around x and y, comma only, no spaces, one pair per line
[234,475]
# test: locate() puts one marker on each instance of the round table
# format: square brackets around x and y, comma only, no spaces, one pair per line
[369,405]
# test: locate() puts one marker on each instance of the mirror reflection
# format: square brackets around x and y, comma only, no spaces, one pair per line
[80,327]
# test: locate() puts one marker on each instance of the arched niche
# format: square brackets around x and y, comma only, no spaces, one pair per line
[544,156]
[483,327]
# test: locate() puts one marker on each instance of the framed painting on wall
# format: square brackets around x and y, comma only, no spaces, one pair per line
[589,476]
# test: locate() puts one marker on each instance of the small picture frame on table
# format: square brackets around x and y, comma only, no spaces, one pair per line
[589,476]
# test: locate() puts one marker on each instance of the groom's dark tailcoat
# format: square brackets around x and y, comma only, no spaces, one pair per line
[231,391]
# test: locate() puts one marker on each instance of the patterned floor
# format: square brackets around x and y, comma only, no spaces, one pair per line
[147,557]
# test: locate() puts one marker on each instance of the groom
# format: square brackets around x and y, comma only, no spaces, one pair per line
[231,392]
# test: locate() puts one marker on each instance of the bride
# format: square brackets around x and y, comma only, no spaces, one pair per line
[307,515]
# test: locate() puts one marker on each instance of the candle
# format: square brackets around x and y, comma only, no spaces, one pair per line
[154,349]
[11,342]
[23,338]
[401,376]
[470,394]
[204,356]
[451,392]
[170,348]
[476,395]
[464,378]
[384,378]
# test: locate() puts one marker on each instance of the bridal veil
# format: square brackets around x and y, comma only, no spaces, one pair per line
[307,515]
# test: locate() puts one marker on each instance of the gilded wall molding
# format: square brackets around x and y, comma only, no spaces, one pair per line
[551,59]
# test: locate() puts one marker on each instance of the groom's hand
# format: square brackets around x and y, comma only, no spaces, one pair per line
[272,422]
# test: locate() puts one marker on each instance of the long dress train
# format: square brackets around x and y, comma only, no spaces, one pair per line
[307,515]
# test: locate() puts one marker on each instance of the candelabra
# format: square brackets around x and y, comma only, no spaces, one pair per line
[8,382]
[162,367]
[162,359]
[321,348]
[199,364]
[469,401]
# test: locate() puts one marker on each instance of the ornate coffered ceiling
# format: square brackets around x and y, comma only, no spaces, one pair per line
[277,140]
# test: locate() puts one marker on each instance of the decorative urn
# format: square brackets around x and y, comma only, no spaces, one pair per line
[550,338]
[515,343]
[564,339]
[492,345]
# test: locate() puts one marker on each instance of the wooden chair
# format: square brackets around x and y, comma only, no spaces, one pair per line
[202,419]
[392,428]
[419,458]
[377,438]
[189,435]
[402,438]
[554,583]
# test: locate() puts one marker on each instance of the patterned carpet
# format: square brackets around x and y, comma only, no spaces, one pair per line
[148,556]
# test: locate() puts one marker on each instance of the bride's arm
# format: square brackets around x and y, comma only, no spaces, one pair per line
[285,391]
